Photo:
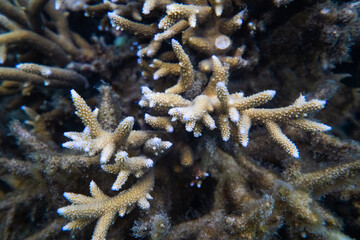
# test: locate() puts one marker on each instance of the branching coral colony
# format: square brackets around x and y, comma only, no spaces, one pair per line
[212,62]
[38,28]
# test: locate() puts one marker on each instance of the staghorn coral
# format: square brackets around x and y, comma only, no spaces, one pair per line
[212,61]
[237,108]
[35,27]
[99,205]
[94,139]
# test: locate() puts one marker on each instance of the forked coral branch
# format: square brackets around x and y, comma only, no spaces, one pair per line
[216,107]
[84,208]
[94,139]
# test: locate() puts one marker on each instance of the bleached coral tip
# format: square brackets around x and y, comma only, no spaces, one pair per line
[156,140]
[66,227]
[74,94]
[327,128]
[271,92]
[174,42]
[244,144]
[170,129]
[145,90]
[129,119]
[142,103]
[92,184]
[67,144]
[103,159]
[149,163]
[168,144]
[66,195]
[155,77]
[214,58]
[111,14]
[220,84]
[149,52]
[148,196]
[197,134]
[46,72]
[61,211]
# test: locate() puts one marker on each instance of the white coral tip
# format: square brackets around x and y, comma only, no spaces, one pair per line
[220,85]
[143,203]
[143,103]
[66,227]
[170,129]
[46,72]
[226,138]
[271,93]
[149,163]
[66,195]
[74,94]
[61,210]
[327,128]
[322,102]
[197,134]
[104,158]
[145,11]
[145,90]
[67,145]
[122,154]
[167,144]
[92,185]
[174,42]
[111,14]
[122,212]
[214,58]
